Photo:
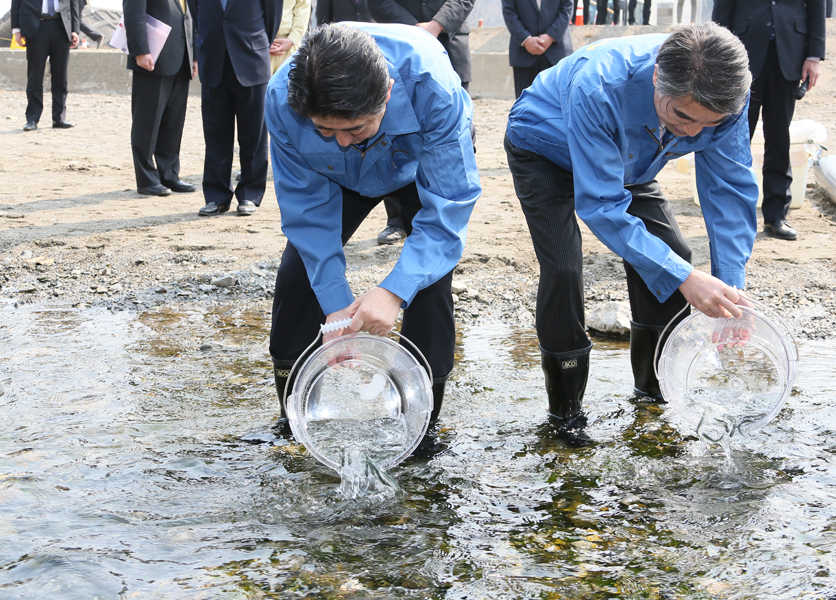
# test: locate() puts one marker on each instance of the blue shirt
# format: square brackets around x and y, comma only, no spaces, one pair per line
[424,138]
[593,114]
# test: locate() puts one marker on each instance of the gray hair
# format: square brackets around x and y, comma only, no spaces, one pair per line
[706,62]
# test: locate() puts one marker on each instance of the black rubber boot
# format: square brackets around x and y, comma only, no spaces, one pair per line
[281,372]
[643,339]
[431,443]
[566,374]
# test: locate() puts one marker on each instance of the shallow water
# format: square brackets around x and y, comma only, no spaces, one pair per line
[137,461]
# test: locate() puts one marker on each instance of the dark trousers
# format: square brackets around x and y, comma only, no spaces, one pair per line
[601,16]
[546,193]
[50,42]
[773,95]
[631,12]
[427,322]
[158,111]
[222,107]
[525,76]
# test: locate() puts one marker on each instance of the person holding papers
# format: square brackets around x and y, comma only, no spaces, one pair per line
[161,55]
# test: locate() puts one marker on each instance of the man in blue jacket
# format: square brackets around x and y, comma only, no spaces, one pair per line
[590,135]
[364,111]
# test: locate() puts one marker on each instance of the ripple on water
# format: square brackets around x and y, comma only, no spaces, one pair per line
[139,460]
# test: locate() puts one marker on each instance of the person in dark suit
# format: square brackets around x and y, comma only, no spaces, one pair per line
[444,19]
[159,92]
[785,42]
[48,28]
[539,36]
[233,41]
[334,11]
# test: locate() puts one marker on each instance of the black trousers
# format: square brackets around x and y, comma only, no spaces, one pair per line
[89,31]
[585,12]
[222,108]
[525,76]
[631,12]
[427,322]
[158,111]
[50,42]
[546,193]
[601,16]
[773,96]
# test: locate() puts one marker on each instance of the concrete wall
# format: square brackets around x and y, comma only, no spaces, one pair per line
[103,71]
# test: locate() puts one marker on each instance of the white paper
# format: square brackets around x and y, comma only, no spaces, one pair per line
[155,30]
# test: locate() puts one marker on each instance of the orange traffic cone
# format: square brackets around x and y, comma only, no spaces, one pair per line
[579,13]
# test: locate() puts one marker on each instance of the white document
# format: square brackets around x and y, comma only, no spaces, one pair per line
[157,33]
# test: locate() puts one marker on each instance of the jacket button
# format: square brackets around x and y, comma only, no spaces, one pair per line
[330,167]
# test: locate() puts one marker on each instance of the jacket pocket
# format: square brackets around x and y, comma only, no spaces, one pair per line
[801,26]
[327,163]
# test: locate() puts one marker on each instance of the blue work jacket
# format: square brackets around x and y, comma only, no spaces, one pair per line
[593,114]
[424,137]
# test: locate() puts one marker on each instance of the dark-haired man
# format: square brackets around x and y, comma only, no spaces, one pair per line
[590,135]
[361,112]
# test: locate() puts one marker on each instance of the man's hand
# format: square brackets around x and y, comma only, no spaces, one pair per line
[434,27]
[534,46]
[74,42]
[19,39]
[375,311]
[711,296]
[810,70]
[280,46]
[545,40]
[194,69]
[145,61]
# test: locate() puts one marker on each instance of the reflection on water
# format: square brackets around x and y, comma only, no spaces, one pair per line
[137,461]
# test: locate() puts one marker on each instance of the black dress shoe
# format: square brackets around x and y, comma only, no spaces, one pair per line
[30,126]
[154,190]
[390,235]
[780,230]
[246,208]
[61,125]
[179,186]
[212,208]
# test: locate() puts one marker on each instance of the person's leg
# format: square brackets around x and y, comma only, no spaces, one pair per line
[59,59]
[395,229]
[147,105]
[252,143]
[37,50]
[631,12]
[524,77]
[778,107]
[601,14]
[90,32]
[646,12]
[586,12]
[217,110]
[649,314]
[616,12]
[296,315]
[167,151]
[545,192]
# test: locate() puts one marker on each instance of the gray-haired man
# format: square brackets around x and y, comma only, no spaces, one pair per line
[590,135]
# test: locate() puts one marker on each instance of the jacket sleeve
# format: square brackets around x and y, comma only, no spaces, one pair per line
[601,199]
[134,15]
[564,15]
[452,14]
[323,12]
[390,11]
[515,26]
[15,14]
[723,13]
[75,16]
[272,17]
[299,22]
[815,28]
[728,196]
[448,186]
